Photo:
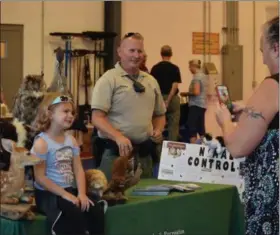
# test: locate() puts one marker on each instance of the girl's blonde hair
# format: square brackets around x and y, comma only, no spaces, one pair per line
[196,63]
[42,121]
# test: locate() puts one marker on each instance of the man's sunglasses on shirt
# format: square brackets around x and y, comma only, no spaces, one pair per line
[137,86]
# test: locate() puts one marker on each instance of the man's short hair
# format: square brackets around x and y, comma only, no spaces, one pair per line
[166,51]
[133,35]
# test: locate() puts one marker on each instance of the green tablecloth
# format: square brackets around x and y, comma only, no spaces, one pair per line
[212,210]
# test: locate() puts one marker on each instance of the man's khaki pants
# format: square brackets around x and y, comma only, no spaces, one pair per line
[173,117]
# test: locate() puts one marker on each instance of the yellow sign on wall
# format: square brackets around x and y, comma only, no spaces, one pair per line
[208,45]
[3,49]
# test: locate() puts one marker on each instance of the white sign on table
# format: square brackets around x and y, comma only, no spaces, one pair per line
[198,163]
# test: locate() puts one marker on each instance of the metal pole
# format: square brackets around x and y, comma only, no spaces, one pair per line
[42,37]
[254,83]
[209,29]
[236,24]
[233,22]
[228,22]
[225,33]
[231,10]
[204,31]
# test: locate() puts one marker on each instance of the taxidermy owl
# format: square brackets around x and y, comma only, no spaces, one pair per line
[26,104]
[28,99]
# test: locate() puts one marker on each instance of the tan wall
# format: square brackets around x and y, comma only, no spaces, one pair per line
[160,22]
[173,23]
[62,16]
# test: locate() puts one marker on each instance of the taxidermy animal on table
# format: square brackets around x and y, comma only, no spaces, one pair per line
[14,205]
[96,183]
[27,100]
[215,144]
[124,176]
[7,131]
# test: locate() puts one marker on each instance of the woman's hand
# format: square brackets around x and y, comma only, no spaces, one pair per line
[238,106]
[223,115]
[85,202]
[71,198]
[237,109]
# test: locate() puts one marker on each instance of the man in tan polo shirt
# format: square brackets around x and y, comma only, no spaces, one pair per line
[127,104]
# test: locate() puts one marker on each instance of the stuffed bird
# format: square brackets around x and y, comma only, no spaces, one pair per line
[27,101]
[124,176]
[28,98]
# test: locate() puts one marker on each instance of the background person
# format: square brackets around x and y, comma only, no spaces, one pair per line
[168,77]
[197,101]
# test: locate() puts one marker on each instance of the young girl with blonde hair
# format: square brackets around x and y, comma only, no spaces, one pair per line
[60,187]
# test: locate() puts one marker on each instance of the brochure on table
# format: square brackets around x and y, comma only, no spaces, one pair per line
[197,163]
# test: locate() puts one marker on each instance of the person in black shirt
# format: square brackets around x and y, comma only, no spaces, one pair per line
[168,76]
